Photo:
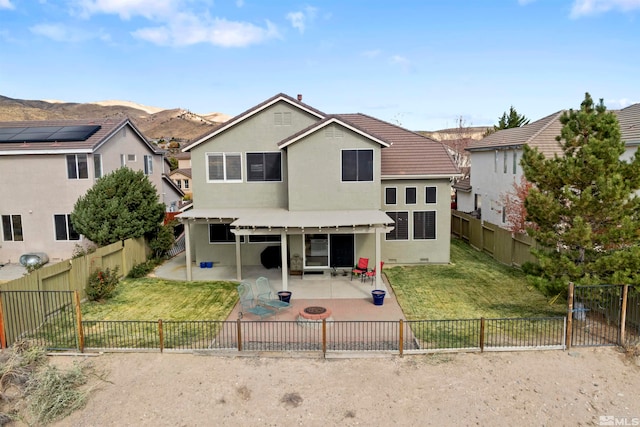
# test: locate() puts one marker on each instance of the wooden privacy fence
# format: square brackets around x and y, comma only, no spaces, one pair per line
[53,319]
[503,245]
[73,274]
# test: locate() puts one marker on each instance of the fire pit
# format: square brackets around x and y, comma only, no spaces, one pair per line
[312,316]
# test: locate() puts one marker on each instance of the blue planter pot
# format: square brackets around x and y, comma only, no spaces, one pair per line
[378,296]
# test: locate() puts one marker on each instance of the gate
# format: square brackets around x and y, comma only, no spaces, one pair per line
[605,315]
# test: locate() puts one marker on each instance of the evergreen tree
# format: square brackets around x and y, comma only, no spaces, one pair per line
[583,204]
[121,205]
[508,121]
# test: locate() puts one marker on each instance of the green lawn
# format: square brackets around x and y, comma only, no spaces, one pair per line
[153,299]
[472,286]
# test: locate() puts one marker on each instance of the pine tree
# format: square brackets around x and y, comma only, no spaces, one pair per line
[583,204]
[121,205]
[508,121]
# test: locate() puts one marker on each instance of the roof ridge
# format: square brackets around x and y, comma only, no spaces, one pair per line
[552,118]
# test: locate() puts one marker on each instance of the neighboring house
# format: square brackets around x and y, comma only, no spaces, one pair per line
[182,179]
[495,160]
[45,166]
[326,189]
[184,160]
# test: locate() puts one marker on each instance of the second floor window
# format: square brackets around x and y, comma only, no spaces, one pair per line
[390,196]
[264,167]
[224,167]
[410,195]
[357,165]
[64,228]
[12,228]
[77,167]
[430,195]
[97,166]
[186,183]
[148,165]
[178,183]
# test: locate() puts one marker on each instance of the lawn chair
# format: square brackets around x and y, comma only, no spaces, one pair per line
[265,295]
[248,302]
[372,274]
[361,268]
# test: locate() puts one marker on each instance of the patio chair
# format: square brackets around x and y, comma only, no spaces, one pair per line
[361,268]
[248,302]
[372,274]
[265,295]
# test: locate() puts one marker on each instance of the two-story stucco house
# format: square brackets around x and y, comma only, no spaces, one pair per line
[495,160]
[326,189]
[45,166]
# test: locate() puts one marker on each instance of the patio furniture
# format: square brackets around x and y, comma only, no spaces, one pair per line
[372,274]
[266,297]
[248,302]
[361,268]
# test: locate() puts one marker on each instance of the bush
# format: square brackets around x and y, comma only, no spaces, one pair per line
[102,284]
[144,268]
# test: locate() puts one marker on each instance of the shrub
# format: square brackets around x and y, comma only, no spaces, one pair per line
[144,268]
[102,284]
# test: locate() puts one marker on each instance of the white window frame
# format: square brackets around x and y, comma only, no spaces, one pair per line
[386,236]
[229,242]
[515,161]
[426,199]
[67,226]
[406,198]
[131,158]
[224,166]
[373,165]
[11,220]
[76,157]
[263,152]
[435,226]
[148,164]
[123,160]
[97,166]
[396,196]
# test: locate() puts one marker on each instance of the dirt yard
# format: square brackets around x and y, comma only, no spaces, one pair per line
[525,388]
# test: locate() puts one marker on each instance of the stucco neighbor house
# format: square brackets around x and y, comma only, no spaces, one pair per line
[323,189]
[495,160]
[45,166]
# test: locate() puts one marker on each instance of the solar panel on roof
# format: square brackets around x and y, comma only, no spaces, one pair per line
[48,133]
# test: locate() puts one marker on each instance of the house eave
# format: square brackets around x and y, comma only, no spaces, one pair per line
[429,176]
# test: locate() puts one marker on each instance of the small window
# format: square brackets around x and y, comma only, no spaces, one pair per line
[504,215]
[148,165]
[424,225]
[64,229]
[264,167]
[178,183]
[401,226]
[272,238]
[123,160]
[186,183]
[430,195]
[410,195]
[77,167]
[495,161]
[224,167]
[357,165]
[131,157]
[221,233]
[97,166]
[390,196]
[282,119]
[12,228]
[505,161]
[515,161]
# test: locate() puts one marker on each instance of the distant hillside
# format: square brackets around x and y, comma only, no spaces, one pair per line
[472,132]
[179,124]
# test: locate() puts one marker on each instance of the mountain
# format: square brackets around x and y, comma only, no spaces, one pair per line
[154,123]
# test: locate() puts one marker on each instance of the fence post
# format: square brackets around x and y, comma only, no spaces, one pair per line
[569,314]
[324,337]
[481,334]
[76,294]
[3,337]
[239,328]
[623,314]
[401,335]
[161,335]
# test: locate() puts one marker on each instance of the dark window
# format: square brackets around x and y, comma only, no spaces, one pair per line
[274,238]
[77,166]
[12,228]
[390,195]
[148,165]
[430,195]
[224,167]
[424,225]
[401,230]
[410,195]
[97,165]
[64,228]
[264,167]
[221,233]
[357,165]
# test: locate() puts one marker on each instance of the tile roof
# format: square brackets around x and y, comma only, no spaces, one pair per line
[410,153]
[463,184]
[185,171]
[108,127]
[542,133]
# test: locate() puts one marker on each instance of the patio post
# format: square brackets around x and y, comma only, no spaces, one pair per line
[378,255]
[187,244]
[238,258]
[285,264]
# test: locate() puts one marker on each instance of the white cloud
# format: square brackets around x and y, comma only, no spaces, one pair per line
[401,61]
[301,19]
[62,33]
[125,9]
[188,30]
[6,4]
[594,7]
[615,104]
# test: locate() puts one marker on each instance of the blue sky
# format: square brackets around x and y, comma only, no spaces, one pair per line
[421,64]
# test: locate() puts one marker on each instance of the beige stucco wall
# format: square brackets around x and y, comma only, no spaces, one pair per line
[315,173]
[258,133]
[420,251]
